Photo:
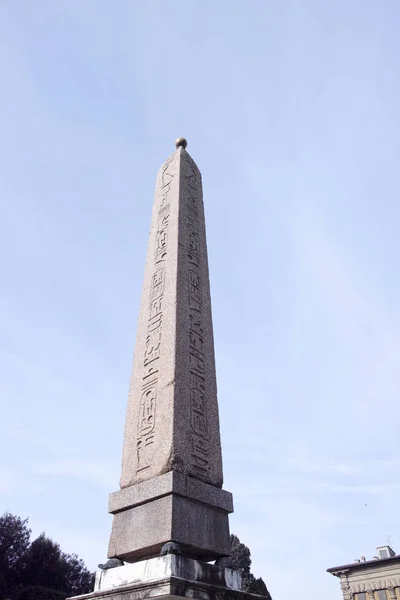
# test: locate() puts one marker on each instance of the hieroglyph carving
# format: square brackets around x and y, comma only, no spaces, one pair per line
[200,446]
[148,401]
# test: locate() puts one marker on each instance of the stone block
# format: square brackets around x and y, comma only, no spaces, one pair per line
[162,567]
[200,529]
[169,578]
[141,531]
[172,482]
[209,494]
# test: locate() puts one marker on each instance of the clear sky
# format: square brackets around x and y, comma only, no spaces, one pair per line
[291,110]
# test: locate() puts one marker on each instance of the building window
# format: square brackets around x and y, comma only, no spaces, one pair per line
[361,596]
[382,595]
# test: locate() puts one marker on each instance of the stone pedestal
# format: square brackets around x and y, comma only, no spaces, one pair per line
[169,576]
[174,507]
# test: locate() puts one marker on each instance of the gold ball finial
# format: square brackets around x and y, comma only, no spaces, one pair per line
[181,142]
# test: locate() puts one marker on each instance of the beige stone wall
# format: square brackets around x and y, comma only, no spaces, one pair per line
[369,581]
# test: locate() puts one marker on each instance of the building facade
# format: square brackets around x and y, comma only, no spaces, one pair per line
[376,579]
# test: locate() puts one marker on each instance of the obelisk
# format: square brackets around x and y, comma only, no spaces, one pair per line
[172,466]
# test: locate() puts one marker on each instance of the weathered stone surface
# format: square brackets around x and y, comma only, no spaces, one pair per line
[172,419]
[172,588]
[209,494]
[171,577]
[145,491]
[201,530]
[163,485]
[162,567]
[141,532]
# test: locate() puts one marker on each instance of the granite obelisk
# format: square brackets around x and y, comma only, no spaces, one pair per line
[172,465]
[171,514]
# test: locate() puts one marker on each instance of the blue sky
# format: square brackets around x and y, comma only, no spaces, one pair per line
[291,112]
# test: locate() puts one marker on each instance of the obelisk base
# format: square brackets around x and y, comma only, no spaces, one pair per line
[170,507]
[169,577]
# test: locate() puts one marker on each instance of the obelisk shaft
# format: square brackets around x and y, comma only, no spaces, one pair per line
[172,419]
[172,466]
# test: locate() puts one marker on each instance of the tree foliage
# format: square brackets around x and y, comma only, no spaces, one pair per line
[77,576]
[241,557]
[37,570]
[14,544]
[36,592]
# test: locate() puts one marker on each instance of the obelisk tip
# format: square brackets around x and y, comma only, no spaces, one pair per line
[181,141]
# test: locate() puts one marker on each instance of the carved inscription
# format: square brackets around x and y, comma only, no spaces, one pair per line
[153,347]
[193,242]
[162,235]
[166,182]
[200,446]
